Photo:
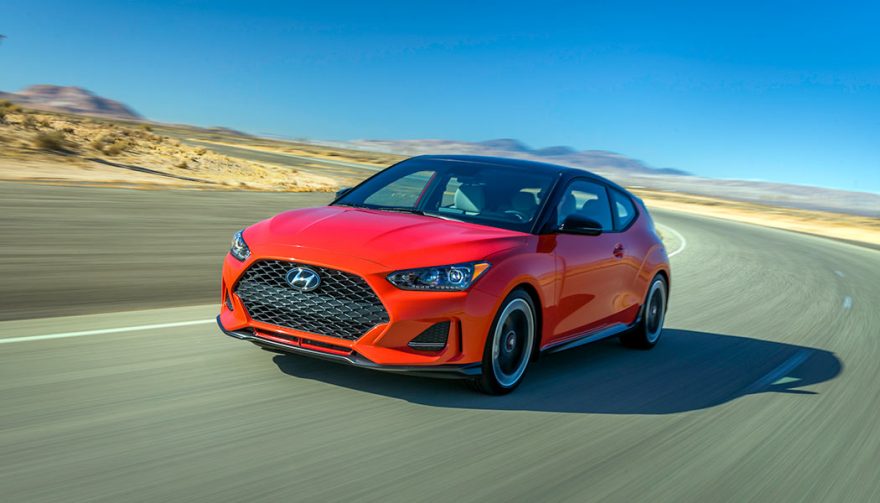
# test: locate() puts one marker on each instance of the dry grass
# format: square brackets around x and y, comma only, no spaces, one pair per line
[35,138]
[52,141]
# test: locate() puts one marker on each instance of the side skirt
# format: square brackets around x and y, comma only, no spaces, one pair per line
[592,336]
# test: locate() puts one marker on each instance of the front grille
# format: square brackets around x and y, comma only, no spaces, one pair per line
[342,306]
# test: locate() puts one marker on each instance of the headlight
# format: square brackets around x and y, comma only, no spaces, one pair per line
[446,278]
[239,248]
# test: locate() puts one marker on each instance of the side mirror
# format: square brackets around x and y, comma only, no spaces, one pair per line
[576,224]
[343,191]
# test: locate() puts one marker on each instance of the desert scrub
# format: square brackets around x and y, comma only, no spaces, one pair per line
[6,107]
[53,141]
[116,147]
[99,142]
[110,144]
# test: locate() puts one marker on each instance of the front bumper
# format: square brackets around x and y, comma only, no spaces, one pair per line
[355,359]
[410,313]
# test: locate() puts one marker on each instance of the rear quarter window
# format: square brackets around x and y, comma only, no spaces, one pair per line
[623,208]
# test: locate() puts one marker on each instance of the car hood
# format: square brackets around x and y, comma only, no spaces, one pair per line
[393,240]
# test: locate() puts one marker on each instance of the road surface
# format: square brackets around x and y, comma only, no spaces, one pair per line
[765,386]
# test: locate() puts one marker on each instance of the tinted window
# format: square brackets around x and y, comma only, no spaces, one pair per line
[404,191]
[624,209]
[509,197]
[588,200]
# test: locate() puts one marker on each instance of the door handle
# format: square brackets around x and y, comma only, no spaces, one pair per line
[618,250]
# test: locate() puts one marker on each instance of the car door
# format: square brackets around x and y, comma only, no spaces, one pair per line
[588,267]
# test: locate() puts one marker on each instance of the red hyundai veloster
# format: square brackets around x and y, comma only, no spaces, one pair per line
[452,266]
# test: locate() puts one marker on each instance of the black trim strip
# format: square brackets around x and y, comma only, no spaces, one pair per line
[592,336]
[356,360]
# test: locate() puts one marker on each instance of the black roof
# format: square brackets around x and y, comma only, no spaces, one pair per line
[523,163]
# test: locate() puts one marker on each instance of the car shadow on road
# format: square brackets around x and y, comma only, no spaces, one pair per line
[688,370]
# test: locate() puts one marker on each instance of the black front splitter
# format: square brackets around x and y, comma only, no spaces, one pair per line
[356,360]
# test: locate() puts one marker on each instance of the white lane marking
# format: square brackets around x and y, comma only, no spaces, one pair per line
[780,371]
[677,234]
[847,302]
[136,328]
[839,274]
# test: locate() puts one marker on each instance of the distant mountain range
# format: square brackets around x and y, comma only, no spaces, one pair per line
[74,100]
[600,161]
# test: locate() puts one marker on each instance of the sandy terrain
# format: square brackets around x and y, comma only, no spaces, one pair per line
[822,223]
[44,146]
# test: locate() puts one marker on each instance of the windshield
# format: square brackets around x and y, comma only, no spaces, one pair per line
[499,196]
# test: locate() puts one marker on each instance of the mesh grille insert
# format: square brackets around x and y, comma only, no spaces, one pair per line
[342,306]
[433,338]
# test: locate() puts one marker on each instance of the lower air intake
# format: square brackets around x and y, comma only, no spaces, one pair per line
[432,339]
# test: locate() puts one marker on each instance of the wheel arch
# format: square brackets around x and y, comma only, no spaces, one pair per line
[532,292]
[665,274]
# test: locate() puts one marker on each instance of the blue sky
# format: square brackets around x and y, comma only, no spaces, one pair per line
[783,92]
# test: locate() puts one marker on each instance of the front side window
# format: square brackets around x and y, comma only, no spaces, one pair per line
[509,197]
[586,199]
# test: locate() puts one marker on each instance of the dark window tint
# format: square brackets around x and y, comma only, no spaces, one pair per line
[624,209]
[508,197]
[588,200]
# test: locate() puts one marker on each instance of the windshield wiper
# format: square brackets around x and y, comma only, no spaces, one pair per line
[442,217]
[398,209]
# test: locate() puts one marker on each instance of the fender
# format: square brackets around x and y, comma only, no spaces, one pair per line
[516,268]
[655,261]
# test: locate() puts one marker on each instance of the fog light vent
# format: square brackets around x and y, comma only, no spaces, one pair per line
[432,339]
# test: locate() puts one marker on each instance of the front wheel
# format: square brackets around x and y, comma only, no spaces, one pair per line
[647,331]
[509,345]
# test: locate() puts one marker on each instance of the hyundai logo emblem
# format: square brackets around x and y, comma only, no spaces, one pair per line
[303,279]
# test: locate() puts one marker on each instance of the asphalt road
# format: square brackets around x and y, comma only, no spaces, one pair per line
[764,387]
[82,250]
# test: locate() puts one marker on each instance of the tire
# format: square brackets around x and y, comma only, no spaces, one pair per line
[509,345]
[649,328]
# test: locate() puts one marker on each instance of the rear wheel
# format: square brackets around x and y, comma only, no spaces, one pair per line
[509,345]
[648,330]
